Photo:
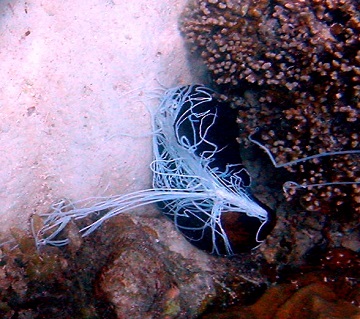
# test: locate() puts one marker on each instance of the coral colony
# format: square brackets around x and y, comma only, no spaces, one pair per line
[293,69]
[198,180]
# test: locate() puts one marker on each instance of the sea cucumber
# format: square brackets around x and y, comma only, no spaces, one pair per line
[198,180]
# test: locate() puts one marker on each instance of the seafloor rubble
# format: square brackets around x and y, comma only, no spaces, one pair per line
[131,268]
[143,268]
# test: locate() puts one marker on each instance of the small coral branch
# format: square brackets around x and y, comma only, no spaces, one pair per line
[304,159]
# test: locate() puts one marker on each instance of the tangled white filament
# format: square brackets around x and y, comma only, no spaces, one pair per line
[182,180]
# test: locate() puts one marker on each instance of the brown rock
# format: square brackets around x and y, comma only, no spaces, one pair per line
[315,301]
[155,273]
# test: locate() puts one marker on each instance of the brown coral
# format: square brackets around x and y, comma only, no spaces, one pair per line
[296,65]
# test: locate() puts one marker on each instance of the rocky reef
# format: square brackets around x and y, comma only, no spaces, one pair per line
[141,267]
[293,68]
[135,267]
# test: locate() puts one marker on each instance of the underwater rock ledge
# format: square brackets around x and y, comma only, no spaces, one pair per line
[136,266]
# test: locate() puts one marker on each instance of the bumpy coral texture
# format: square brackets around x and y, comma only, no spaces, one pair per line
[295,69]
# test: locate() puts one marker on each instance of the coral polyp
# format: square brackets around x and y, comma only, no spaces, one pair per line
[198,180]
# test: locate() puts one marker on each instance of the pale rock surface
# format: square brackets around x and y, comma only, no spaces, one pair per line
[75,77]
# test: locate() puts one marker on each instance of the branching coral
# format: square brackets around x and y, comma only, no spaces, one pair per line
[294,67]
